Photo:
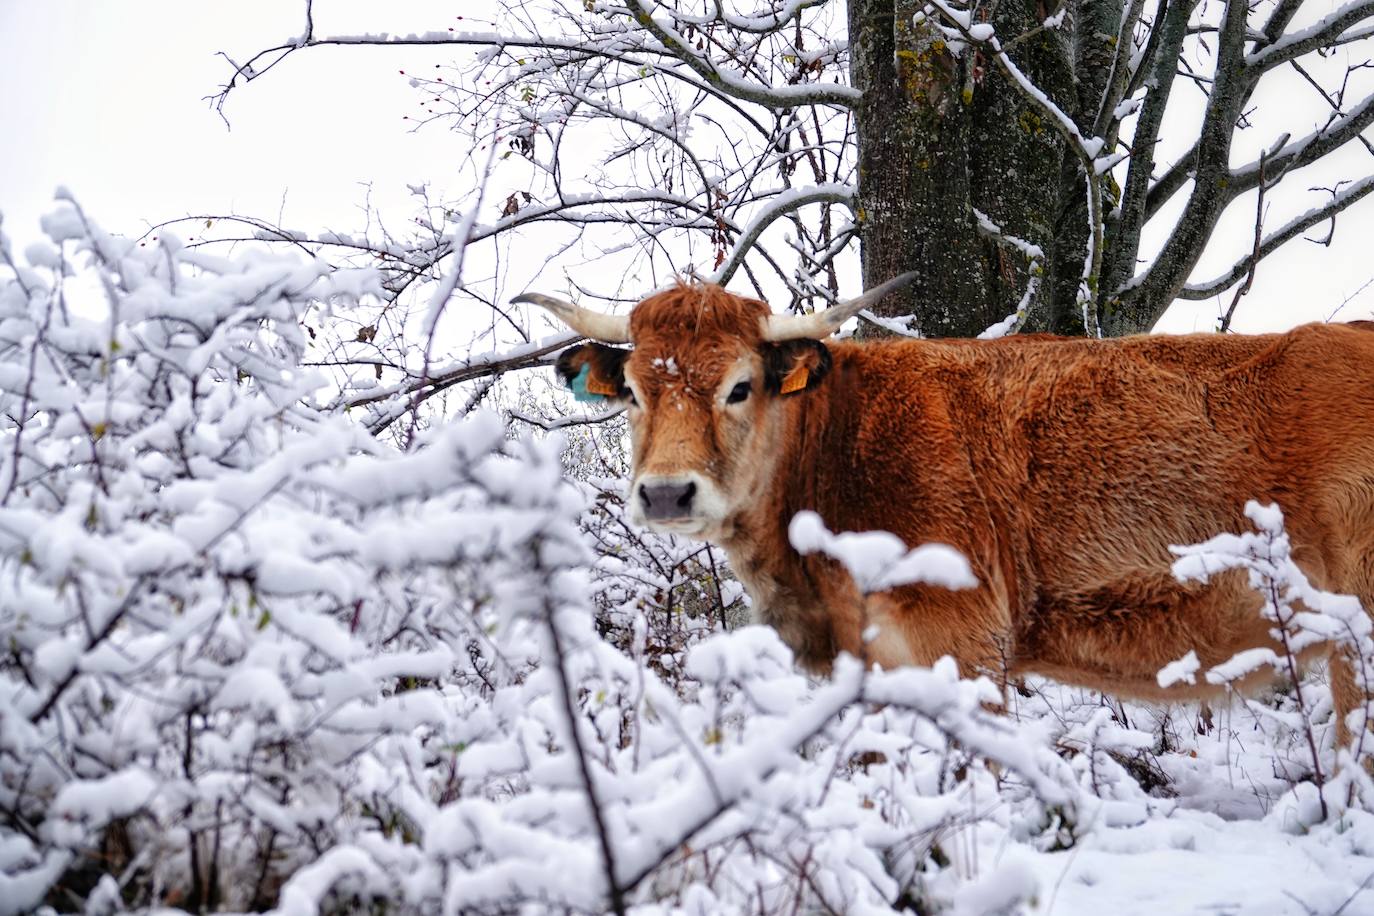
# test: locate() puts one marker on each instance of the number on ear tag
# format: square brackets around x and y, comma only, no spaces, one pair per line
[795,380]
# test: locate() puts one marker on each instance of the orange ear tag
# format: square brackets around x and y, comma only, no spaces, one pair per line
[796,379]
[596,385]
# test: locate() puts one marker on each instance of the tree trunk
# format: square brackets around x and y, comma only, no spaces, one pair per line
[940,135]
[914,182]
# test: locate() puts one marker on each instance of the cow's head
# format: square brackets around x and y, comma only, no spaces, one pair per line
[704,382]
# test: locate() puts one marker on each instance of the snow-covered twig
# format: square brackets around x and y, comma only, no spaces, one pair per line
[1035,267]
[780,205]
[1272,241]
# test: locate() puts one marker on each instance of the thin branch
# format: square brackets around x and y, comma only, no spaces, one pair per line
[1335,103]
[781,205]
[1321,34]
[476,367]
[773,97]
[1274,240]
[1350,298]
[565,690]
[565,422]
[776,97]
[1254,251]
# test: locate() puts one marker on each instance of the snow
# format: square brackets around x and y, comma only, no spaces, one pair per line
[302,895]
[878,560]
[23,889]
[1010,882]
[1001,328]
[1182,671]
[901,326]
[87,804]
[981,31]
[1196,863]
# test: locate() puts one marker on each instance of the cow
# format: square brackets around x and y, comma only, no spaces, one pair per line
[1062,468]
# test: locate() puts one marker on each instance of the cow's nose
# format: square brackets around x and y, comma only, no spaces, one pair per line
[665,501]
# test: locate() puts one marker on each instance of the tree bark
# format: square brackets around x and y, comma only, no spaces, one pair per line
[940,135]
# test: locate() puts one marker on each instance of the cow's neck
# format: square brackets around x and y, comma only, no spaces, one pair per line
[784,586]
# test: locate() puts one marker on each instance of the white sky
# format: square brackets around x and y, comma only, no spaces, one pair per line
[106,98]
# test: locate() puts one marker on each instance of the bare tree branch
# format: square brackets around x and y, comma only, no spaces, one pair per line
[715,79]
[1274,240]
[1327,31]
[1308,149]
[1145,298]
[780,206]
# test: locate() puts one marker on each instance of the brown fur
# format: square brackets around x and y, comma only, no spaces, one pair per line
[1063,469]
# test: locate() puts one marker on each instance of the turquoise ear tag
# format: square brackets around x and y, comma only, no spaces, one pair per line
[579,385]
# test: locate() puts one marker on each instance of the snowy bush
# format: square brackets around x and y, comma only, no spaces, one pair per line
[255,658]
[1304,618]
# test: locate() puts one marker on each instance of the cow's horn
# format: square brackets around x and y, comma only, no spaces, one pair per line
[822,324]
[596,325]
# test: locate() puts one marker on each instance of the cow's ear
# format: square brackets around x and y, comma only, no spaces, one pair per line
[594,372]
[791,366]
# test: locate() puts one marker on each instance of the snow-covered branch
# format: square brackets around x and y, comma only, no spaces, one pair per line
[1035,264]
[774,97]
[782,204]
[1326,32]
[1274,240]
[982,34]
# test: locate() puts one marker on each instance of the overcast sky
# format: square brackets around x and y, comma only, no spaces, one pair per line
[106,98]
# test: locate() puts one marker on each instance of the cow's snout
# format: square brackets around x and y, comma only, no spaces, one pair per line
[667,500]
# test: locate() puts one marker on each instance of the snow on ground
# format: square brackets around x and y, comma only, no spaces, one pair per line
[1222,838]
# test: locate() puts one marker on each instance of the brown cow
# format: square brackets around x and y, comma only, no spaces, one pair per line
[1062,468]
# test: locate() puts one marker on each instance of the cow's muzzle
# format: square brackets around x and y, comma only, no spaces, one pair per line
[688,504]
[666,500]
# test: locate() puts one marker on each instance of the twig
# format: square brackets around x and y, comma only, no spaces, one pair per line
[1254,253]
[613,888]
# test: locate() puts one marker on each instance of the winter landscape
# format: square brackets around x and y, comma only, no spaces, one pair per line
[320,593]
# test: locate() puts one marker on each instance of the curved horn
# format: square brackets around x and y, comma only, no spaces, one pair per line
[596,325]
[819,325]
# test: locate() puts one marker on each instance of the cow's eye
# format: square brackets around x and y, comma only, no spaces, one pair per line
[738,393]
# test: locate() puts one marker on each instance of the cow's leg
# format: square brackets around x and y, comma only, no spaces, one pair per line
[1350,571]
[1346,693]
[920,625]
